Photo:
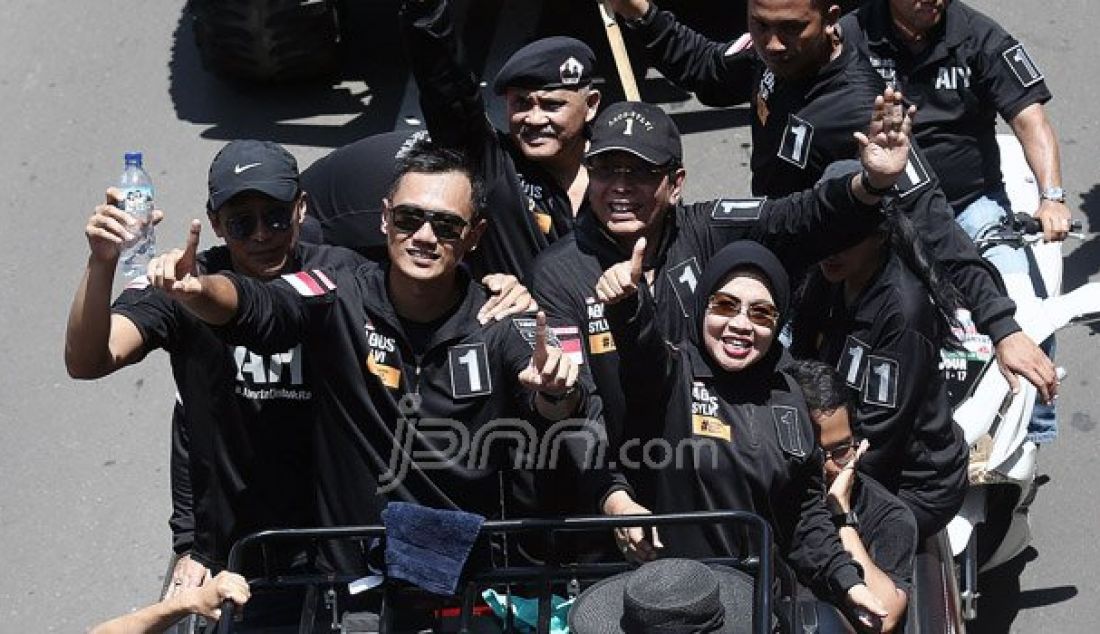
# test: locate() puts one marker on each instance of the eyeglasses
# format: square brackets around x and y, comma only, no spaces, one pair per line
[445,225]
[241,226]
[842,454]
[728,306]
[630,174]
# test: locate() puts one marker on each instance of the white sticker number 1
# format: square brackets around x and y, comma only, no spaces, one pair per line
[1025,61]
[688,277]
[470,361]
[856,353]
[629,129]
[882,371]
[799,132]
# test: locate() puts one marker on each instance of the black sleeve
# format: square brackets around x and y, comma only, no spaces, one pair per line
[978,282]
[894,393]
[815,550]
[182,521]
[450,97]
[802,228]
[271,316]
[648,367]
[694,62]
[1007,74]
[155,316]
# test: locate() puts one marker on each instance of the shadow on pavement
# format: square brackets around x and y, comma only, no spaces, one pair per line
[1002,599]
[373,91]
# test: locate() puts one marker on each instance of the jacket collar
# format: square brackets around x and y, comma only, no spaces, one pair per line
[376,299]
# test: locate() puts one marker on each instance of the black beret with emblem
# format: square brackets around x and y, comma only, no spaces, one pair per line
[549,63]
[640,128]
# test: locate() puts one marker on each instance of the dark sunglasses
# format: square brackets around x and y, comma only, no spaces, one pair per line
[728,306]
[445,225]
[630,174]
[842,454]
[241,226]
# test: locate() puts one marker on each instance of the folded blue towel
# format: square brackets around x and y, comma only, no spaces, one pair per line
[428,547]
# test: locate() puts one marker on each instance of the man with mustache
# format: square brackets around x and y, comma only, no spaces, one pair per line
[533,172]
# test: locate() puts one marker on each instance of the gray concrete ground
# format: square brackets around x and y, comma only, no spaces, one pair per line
[83,466]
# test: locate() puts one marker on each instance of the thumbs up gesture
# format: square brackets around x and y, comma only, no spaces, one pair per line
[550,372]
[176,272]
[621,281]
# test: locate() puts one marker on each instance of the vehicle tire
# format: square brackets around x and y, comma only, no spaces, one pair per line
[269,41]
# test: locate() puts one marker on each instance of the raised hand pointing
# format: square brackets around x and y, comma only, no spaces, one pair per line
[550,372]
[176,272]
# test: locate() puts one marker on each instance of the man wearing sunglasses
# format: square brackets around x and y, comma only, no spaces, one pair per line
[247,414]
[636,178]
[404,366]
[533,172]
[876,528]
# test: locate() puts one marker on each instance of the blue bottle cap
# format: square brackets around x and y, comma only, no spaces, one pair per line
[133,158]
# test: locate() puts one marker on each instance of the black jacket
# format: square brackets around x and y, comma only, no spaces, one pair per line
[528,210]
[887,349]
[798,129]
[973,71]
[799,228]
[246,417]
[738,441]
[431,429]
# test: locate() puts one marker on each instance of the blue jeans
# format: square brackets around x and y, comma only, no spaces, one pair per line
[983,212]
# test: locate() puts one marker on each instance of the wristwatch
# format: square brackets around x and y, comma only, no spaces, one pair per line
[1055,194]
[850,518]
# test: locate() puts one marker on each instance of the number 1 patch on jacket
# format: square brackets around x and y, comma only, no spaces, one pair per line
[882,382]
[469,364]
[787,431]
[853,362]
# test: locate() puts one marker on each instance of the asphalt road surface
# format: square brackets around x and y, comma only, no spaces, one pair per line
[83,466]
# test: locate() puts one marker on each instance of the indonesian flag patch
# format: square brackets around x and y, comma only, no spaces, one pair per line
[570,339]
[312,283]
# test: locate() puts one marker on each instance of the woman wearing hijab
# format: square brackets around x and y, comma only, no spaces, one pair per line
[879,313]
[718,424]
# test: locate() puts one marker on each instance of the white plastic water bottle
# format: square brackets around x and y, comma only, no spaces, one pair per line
[137,200]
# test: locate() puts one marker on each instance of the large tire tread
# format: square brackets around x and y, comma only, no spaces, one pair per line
[267,41]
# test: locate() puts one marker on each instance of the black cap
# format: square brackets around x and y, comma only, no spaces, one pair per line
[640,128]
[549,63]
[260,166]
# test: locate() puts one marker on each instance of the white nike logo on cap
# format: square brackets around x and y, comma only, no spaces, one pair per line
[238,168]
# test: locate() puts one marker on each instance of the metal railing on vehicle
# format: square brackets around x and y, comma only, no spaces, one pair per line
[758,564]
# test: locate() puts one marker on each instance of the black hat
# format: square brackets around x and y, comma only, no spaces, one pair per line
[260,166]
[674,595]
[552,62]
[640,128]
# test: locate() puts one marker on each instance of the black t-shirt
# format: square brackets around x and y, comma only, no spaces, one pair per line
[887,529]
[972,71]
[248,417]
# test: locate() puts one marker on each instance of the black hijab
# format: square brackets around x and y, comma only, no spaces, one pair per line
[737,255]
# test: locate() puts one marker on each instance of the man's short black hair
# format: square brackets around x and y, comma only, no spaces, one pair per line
[425,157]
[825,391]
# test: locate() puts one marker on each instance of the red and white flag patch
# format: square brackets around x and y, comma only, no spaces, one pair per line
[312,283]
[569,338]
